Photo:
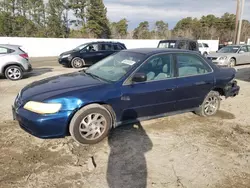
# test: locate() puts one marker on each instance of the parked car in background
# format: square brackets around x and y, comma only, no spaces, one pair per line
[231,55]
[204,49]
[89,53]
[131,85]
[14,62]
[221,46]
[185,44]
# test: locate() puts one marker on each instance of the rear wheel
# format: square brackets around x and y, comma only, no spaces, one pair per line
[77,63]
[91,124]
[210,105]
[14,73]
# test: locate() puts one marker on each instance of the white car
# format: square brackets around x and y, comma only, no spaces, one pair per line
[204,49]
[14,62]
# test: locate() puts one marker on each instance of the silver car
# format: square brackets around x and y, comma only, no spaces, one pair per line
[14,62]
[231,55]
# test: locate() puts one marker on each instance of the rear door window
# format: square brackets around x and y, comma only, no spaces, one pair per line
[191,65]
[106,47]
[3,50]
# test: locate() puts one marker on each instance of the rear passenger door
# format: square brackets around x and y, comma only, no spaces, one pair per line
[194,81]
[106,50]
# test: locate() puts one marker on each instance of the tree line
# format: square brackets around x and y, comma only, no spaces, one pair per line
[37,18]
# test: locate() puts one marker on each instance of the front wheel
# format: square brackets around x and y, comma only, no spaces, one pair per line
[205,54]
[232,63]
[91,124]
[77,63]
[210,105]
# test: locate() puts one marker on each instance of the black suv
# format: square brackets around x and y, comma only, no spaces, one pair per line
[89,53]
[186,44]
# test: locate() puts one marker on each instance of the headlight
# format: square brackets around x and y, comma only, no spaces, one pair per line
[223,58]
[64,56]
[42,108]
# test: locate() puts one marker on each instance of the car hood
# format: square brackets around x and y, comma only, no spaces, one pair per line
[68,52]
[49,87]
[220,54]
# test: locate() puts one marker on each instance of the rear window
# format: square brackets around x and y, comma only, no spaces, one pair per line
[167,44]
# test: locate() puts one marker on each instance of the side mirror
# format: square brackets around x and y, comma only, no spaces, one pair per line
[217,51]
[139,77]
[241,52]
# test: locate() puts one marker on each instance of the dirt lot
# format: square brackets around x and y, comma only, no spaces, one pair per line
[178,151]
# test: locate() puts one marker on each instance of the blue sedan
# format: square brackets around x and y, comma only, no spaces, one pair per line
[131,85]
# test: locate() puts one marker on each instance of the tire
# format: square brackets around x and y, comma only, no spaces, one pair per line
[13,73]
[77,63]
[204,107]
[205,54]
[87,119]
[232,63]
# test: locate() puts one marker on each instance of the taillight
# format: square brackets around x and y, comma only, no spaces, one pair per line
[25,56]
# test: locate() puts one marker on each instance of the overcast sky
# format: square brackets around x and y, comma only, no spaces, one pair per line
[169,11]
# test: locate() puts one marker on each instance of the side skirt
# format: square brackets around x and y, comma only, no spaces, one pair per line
[153,117]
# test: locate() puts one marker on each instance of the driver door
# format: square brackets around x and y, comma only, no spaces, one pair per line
[243,57]
[153,97]
[90,53]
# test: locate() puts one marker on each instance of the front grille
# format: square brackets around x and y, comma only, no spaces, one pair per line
[212,58]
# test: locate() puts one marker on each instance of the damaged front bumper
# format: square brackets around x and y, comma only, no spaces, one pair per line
[232,89]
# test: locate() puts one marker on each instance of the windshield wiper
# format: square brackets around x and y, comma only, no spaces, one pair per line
[95,76]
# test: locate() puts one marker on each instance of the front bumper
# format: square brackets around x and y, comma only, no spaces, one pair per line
[43,126]
[64,61]
[232,89]
[221,63]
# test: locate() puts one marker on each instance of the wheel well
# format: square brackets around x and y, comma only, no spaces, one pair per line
[220,90]
[11,64]
[233,58]
[107,106]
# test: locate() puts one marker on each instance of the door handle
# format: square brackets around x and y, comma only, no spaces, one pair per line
[201,83]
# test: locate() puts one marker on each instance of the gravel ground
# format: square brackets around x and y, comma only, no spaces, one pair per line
[178,151]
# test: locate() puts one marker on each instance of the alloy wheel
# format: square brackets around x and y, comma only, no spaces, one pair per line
[92,126]
[211,105]
[14,73]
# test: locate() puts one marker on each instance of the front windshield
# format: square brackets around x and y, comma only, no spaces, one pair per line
[114,67]
[80,47]
[229,49]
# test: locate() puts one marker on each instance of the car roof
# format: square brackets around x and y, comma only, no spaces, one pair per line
[10,46]
[111,42]
[178,39]
[238,45]
[152,51]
